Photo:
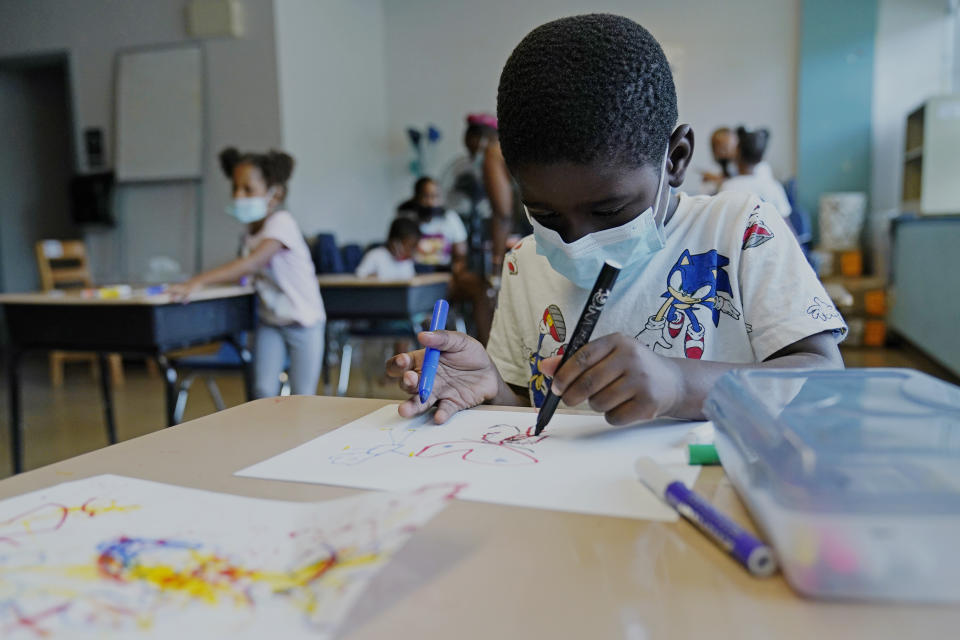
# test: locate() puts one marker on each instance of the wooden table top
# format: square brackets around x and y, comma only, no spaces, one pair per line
[138,297]
[486,571]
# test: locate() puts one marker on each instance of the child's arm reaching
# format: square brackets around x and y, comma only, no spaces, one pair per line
[229,272]
[465,378]
[628,382]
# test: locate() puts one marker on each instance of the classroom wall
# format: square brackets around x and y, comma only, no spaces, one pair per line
[835,91]
[955,84]
[912,62]
[242,109]
[737,64]
[331,73]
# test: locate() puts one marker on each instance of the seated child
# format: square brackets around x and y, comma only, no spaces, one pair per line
[443,241]
[443,247]
[750,178]
[587,111]
[290,309]
[394,261]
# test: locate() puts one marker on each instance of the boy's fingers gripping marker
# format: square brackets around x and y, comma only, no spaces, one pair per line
[431,357]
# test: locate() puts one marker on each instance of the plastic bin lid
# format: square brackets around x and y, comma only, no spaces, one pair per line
[861,440]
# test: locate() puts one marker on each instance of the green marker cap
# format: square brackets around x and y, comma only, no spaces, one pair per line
[703,454]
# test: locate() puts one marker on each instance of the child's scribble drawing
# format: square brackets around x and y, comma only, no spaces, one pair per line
[144,559]
[501,444]
[398,437]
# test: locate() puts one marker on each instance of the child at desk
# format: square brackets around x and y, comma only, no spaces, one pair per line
[290,309]
[394,261]
[587,111]
[443,247]
[751,178]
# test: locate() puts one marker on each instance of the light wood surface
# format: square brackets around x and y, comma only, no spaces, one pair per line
[336,280]
[138,296]
[489,571]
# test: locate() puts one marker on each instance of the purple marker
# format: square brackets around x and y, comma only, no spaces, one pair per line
[750,552]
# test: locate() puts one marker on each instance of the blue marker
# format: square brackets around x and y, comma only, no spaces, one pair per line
[432,356]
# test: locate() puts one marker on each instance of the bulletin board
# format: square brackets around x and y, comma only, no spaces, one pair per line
[159,114]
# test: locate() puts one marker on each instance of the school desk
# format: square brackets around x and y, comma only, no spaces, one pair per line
[347,297]
[489,571]
[141,324]
[353,298]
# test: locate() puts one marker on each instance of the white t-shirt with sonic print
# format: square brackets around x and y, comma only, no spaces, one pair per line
[731,285]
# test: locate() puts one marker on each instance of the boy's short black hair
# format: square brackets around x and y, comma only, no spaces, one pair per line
[402,228]
[584,89]
[752,144]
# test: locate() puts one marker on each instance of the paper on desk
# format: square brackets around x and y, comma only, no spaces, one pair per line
[120,557]
[580,463]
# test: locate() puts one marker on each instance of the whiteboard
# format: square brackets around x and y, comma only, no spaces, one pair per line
[159,114]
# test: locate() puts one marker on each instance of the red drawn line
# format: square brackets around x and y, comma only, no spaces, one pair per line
[84,509]
[9,538]
[322,568]
[509,453]
[493,449]
[31,623]
[451,488]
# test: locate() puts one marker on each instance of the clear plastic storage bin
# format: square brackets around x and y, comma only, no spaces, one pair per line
[854,477]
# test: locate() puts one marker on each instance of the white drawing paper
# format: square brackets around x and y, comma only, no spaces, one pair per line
[579,463]
[111,556]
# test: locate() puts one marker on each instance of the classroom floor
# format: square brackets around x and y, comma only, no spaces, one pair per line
[68,421]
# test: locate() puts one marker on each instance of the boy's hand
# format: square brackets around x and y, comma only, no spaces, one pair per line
[465,378]
[621,379]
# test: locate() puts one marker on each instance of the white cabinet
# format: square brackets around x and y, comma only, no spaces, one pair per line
[931,163]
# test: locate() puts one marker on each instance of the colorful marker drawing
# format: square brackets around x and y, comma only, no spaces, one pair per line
[501,444]
[180,560]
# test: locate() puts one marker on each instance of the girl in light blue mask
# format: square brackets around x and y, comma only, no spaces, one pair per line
[291,314]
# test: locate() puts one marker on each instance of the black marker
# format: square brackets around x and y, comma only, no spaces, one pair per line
[581,335]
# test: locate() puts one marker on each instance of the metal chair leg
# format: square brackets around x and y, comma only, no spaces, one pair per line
[346,355]
[215,394]
[182,392]
[107,394]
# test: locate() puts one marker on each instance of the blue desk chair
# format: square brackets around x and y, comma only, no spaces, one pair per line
[799,218]
[226,359]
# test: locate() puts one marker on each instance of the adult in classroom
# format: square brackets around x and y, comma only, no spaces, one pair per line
[723,147]
[478,186]
[462,180]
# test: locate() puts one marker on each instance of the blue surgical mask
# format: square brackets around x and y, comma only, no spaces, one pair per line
[632,244]
[248,210]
